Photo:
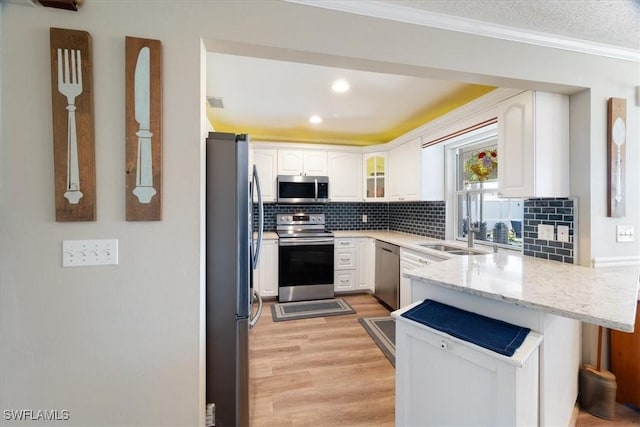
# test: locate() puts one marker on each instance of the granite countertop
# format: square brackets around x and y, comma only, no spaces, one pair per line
[605,297]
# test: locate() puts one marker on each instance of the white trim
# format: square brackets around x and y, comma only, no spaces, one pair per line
[426,18]
[619,261]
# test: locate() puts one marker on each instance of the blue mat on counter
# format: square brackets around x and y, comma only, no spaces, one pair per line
[493,334]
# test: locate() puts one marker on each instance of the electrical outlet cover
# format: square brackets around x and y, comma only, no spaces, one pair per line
[545,232]
[563,233]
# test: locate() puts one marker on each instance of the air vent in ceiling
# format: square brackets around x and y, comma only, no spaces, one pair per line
[215,102]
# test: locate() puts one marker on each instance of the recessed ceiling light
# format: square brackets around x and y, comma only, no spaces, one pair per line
[340,86]
[315,119]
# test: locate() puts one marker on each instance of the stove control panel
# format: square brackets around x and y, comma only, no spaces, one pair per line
[300,219]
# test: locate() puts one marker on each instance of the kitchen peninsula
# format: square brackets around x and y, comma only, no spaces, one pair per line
[550,298]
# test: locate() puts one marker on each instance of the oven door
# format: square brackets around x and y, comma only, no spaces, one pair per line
[305,268]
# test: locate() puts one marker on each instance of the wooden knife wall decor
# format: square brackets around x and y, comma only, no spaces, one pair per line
[73,129]
[616,162]
[143,75]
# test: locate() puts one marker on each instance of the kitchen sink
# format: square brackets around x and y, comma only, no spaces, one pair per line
[454,250]
[439,247]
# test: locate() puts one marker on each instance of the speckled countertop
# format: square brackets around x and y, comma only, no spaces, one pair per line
[605,296]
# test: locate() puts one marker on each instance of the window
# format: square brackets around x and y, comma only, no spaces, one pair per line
[475,160]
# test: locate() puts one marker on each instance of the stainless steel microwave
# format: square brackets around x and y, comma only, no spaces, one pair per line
[303,189]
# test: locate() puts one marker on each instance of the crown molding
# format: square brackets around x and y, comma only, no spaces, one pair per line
[376,9]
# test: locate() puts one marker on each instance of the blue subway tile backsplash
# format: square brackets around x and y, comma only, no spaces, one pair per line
[429,219]
[555,211]
[422,218]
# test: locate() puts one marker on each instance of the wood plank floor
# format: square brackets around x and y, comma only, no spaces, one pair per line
[328,372]
[321,372]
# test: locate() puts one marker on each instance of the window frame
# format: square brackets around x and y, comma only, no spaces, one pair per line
[485,136]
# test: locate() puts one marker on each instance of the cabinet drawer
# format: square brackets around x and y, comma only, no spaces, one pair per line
[344,243]
[345,258]
[344,280]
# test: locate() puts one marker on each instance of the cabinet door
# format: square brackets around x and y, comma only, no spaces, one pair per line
[375,168]
[515,146]
[265,277]
[290,162]
[345,170]
[404,171]
[433,172]
[266,161]
[366,264]
[395,172]
[314,163]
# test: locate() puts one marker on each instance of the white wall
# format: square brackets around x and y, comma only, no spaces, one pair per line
[121,345]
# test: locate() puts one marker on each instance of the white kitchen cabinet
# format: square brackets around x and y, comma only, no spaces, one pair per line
[266,162]
[405,170]
[433,172]
[265,276]
[443,380]
[345,264]
[375,170]
[366,264]
[410,260]
[345,170]
[533,145]
[302,162]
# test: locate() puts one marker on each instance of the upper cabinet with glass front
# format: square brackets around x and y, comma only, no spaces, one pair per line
[375,168]
[533,142]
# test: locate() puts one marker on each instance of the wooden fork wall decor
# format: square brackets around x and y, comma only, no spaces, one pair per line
[73,129]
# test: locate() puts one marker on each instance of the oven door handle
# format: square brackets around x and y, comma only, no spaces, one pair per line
[304,242]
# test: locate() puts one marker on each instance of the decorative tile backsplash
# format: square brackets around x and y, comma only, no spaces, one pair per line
[553,211]
[423,218]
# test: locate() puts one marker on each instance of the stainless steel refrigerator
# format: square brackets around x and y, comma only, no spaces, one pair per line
[231,256]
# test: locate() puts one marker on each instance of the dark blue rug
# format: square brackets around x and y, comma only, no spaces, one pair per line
[493,334]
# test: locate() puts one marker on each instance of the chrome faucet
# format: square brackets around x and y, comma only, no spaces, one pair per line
[470,228]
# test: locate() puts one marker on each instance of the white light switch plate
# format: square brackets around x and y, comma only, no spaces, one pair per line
[545,232]
[563,233]
[625,233]
[81,253]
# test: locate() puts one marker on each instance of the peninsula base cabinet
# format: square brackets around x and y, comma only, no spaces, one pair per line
[265,277]
[444,381]
[559,353]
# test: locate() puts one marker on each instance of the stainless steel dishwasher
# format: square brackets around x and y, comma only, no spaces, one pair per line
[388,274]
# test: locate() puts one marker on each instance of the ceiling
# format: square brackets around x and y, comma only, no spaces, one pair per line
[273,100]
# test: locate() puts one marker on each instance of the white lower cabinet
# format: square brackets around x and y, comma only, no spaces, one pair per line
[366,264]
[354,264]
[410,260]
[265,277]
[442,380]
[345,264]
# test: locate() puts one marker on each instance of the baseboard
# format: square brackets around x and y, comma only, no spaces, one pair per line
[574,415]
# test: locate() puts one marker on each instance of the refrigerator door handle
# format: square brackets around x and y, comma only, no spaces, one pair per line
[254,320]
[256,253]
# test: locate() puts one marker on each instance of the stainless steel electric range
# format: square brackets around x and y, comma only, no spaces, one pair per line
[305,257]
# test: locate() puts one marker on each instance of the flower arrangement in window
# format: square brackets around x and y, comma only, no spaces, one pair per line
[481,165]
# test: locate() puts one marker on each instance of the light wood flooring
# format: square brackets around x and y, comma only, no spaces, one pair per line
[322,371]
[328,372]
